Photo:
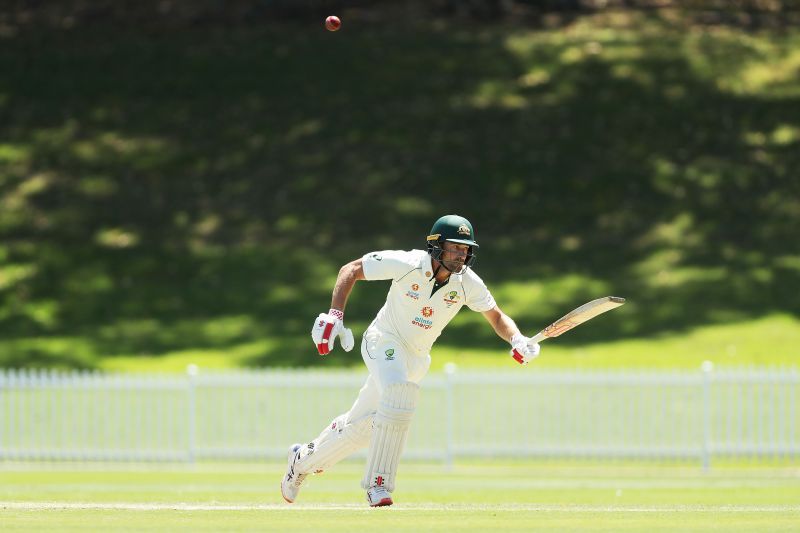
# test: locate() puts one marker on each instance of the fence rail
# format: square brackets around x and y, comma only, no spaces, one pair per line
[704,414]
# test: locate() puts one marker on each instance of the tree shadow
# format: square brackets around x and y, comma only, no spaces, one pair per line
[154,182]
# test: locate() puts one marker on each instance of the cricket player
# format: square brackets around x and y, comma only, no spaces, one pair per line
[427,289]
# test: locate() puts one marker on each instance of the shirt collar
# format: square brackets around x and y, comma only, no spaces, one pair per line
[427,266]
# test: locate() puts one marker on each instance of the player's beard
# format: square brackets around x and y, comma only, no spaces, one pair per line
[455,267]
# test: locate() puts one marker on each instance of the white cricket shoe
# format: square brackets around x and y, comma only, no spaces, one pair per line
[379,497]
[290,485]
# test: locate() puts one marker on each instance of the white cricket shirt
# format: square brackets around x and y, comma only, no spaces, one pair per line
[411,312]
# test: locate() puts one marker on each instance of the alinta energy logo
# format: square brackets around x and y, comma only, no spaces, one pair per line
[424,323]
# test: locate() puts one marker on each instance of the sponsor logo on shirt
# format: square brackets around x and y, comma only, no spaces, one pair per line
[421,322]
[413,294]
[451,298]
[376,257]
[390,354]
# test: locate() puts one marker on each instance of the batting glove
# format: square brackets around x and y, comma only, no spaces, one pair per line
[523,349]
[327,327]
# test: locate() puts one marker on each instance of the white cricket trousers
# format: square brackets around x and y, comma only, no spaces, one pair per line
[389,361]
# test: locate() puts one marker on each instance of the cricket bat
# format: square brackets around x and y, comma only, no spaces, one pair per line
[578,316]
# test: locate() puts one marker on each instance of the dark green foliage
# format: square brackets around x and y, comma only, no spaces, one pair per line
[149,178]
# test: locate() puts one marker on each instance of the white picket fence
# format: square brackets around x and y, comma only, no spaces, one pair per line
[529,412]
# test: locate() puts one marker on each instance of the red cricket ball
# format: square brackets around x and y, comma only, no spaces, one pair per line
[333,23]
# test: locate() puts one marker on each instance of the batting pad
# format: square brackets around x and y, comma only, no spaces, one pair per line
[336,442]
[392,420]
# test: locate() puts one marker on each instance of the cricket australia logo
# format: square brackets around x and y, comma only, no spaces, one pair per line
[390,354]
[451,298]
[463,229]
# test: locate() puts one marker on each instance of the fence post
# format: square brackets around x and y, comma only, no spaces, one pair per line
[191,374]
[2,410]
[794,385]
[449,374]
[707,367]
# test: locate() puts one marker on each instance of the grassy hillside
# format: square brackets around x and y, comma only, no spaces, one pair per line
[188,196]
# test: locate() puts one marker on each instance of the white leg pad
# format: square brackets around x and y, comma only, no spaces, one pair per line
[392,420]
[336,442]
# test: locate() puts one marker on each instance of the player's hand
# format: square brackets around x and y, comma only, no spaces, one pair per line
[327,327]
[523,349]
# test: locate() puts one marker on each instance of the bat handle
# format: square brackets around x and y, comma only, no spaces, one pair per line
[539,337]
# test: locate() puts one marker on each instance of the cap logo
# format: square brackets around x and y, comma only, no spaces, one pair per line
[463,229]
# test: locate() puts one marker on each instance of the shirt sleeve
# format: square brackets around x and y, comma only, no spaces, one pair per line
[478,297]
[388,264]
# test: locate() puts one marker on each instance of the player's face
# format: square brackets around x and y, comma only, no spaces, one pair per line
[454,256]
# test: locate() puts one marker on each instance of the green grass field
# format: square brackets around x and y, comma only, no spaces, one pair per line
[765,342]
[502,496]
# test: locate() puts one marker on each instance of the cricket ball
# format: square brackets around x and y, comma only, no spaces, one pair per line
[333,23]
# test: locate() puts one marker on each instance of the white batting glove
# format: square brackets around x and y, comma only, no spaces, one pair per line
[523,349]
[327,327]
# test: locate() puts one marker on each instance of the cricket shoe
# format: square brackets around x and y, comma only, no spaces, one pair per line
[290,485]
[378,496]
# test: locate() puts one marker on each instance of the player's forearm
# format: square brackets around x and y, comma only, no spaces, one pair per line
[503,325]
[507,328]
[348,275]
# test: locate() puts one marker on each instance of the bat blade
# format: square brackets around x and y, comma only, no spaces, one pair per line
[578,316]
